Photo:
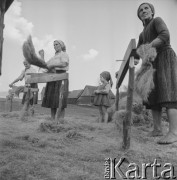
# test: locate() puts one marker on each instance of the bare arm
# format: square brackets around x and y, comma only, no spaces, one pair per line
[20,78]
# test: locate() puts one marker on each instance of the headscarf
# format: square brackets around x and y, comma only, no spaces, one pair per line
[150,5]
[107,76]
[63,47]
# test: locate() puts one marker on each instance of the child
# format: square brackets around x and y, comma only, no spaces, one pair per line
[24,75]
[101,98]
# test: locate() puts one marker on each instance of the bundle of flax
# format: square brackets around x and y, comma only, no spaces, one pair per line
[144,82]
[30,55]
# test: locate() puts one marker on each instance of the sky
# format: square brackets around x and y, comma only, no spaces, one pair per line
[96,34]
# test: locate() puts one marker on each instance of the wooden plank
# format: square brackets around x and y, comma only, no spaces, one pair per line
[2,12]
[8,3]
[60,111]
[46,77]
[127,121]
[131,51]
[4,5]
[117,99]
[24,111]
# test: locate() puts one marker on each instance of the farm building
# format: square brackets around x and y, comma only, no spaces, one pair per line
[83,96]
[87,96]
[73,96]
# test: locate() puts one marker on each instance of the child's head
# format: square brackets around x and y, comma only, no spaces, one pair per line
[105,76]
[26,64]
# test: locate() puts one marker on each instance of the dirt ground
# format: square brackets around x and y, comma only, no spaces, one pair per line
[39,149]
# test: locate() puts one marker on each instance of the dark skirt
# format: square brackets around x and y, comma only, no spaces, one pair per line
[52,92]
[102,100]
[34,100]
[165,79]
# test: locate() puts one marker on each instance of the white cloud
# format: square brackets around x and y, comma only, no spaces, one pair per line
[16,26]
[92,53]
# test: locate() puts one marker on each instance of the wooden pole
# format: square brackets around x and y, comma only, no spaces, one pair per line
[10,110]
[25,108]
[59,117]
[127,120]
[2,12]
[117,99]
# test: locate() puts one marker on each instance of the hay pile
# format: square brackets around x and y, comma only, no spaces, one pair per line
[53,127]
[122,105]
[138,117]
[30,55]
[121,115]
[144,77]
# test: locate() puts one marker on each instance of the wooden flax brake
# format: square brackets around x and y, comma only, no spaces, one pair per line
[131,51]
[44,78]
[127,64]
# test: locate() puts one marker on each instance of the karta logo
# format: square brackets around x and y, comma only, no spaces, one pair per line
[113,167]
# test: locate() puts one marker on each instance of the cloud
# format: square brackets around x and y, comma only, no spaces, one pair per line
[16,26]
[92,53]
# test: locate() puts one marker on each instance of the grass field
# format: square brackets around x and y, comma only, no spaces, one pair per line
[39,149]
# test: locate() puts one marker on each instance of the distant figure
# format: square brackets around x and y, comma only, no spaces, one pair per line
[156,34]
[102,99]
[59,63]
[24,75]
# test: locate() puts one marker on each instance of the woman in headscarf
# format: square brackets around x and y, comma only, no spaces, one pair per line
[57,64]
[156,34]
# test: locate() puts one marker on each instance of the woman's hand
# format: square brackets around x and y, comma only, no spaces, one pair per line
[50,65]
[136,61]
[51,70]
